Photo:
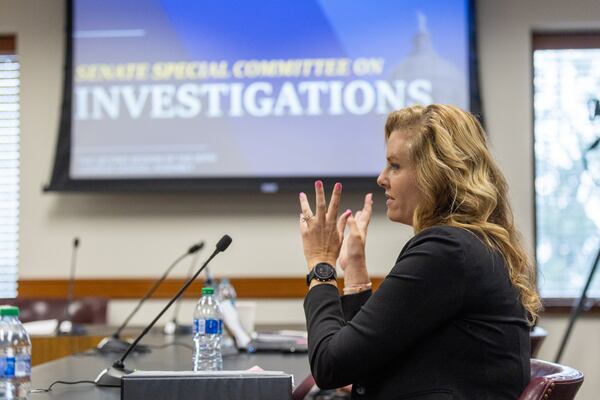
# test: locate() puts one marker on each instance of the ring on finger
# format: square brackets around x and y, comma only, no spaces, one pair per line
[307,218]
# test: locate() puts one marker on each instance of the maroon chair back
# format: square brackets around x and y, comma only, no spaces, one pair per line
[551,381]
[303,388]
[86,310]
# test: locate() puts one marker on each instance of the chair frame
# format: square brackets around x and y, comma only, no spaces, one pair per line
[560,378]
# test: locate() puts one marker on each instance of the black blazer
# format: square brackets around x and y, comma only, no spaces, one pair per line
[446,323]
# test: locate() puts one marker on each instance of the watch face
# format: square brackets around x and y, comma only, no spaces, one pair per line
[324,271]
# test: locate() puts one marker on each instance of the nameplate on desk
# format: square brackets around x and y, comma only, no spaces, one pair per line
[214,385]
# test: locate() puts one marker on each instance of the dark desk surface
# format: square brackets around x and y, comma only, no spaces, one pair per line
[86,366]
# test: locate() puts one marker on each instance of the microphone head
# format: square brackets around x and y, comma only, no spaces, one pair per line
[224,243]
[76,242]
[195,248]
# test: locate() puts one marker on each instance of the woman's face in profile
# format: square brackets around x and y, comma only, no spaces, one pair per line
[398,178]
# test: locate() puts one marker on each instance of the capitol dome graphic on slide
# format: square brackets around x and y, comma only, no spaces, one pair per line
[448,83]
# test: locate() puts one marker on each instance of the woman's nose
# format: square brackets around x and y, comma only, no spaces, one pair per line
[381,181]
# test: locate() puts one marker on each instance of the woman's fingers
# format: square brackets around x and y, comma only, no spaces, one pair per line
[365,214]
[323,212]
[341,222]
[358,215]
[305,207]
[354,230]
[368,206]
[303,225]
[320,200]
[334,203]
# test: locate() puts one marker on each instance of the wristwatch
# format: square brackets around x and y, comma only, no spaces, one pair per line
[322,272]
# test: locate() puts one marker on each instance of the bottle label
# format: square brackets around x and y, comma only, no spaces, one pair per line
[22,366]
[7,367]
[208,326]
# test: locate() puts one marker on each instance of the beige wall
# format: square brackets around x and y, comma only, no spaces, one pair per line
[505,52]
[583,351]
[137,235]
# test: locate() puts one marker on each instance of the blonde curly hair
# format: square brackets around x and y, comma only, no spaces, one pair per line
[462,186]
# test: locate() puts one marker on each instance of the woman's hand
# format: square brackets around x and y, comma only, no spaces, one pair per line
[322,232]
[352,255]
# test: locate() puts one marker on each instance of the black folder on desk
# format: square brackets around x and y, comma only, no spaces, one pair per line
[218,385]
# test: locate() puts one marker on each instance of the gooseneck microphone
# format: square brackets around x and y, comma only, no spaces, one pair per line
[65,326]
[112,376]
[114,343]
[173,327]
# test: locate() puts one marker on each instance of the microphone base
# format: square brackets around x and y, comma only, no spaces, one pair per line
[173,328]
[111,377]
[111,344]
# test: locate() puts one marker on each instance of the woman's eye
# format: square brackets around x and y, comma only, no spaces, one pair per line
[394,166]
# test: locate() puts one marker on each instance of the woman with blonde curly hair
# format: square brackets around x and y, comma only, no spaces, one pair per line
[451,320]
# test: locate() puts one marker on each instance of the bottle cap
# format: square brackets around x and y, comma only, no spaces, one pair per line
[10,311]
[208,290]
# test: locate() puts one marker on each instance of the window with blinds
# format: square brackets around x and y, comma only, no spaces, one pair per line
[9,173]
[566,81]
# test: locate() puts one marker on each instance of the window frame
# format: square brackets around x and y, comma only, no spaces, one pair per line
[8,47]
[558,40]
[8,44]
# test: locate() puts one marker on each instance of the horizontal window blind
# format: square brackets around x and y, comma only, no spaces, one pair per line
[9,174]
[566,81]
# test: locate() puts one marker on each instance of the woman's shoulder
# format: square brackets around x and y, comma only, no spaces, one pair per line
[446,233]
[436,239]
[443,240]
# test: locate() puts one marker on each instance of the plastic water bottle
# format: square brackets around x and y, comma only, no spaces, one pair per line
[226,291]
[226,295]
[208,329]
[7,363]
[15,356]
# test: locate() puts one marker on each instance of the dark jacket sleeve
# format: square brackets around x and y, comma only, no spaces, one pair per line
[423,291]
[352,303]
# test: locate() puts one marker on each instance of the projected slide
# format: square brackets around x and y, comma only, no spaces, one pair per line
[210,89]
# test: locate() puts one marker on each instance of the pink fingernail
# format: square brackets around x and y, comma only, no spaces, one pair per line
[302,194]
[338,186]
[348,211]
[318,184]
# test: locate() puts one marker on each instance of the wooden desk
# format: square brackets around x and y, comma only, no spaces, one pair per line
[174,358]
[52,347]
[45,348]
[48,348]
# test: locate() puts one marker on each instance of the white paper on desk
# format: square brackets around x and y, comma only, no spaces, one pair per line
[206,373]
[295,333]
[232,321]
[42,327]
[276,337]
